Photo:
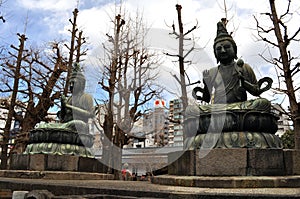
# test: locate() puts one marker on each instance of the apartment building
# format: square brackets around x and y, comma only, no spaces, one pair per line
[175,134]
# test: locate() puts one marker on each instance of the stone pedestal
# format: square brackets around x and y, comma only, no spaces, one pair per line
[44,162]
[292,161]
[229,162]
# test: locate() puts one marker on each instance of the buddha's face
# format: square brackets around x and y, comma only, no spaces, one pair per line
[76,85]
[225,52]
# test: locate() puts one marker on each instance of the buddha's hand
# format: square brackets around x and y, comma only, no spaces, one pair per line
[63,100]
[206,76]
[241,79]
[264,84]
[197,93]
[62,113]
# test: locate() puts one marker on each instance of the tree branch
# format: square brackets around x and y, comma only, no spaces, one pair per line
[287,10]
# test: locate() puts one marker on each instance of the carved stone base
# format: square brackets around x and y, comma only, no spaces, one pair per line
[59,141]
[59,135]
[58,149]
[238,120]
[233,140]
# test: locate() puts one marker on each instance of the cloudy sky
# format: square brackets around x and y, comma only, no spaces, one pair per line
[47,20]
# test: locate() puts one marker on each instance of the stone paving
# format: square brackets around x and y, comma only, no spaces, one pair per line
[229,181]
[137,189]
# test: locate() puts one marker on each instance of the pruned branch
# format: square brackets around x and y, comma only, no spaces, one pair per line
[191,30]
[296,68]
[287,10]
[2,19]
[294,35]
[171,55]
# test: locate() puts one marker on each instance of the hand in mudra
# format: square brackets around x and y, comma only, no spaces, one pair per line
[63,101]
[206,76]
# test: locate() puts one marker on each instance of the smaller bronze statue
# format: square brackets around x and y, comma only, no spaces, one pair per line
[232,115]
[71,134]
[78,108]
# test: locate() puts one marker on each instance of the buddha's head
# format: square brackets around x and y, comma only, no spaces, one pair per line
[77,80]
[225,48]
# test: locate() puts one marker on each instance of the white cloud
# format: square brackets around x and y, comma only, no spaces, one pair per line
[95,23]
[50,5]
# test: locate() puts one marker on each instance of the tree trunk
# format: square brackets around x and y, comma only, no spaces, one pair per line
[283,42]
[107,141]
[71,50]
[181,59]
[297,128]
[11,111]
[117,153]
[108,145]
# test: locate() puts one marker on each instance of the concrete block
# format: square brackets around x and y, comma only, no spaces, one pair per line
[296,162]
[37,162]
[183,165]
[62,163]
[172,163]
[265,162]
[292,161]
[100,167]
[221,162]
[19,162]
[288,161]
[90,165]
[186,164]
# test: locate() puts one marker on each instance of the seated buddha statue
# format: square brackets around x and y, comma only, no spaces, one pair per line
[229,110]
[76,109]
[71,135]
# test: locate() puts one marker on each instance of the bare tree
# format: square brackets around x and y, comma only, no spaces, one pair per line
[32,91]
[286,64]
[136,85]
[11,106]
[181,36]
[34,79]
[75,48]
[128,82]
[110,75]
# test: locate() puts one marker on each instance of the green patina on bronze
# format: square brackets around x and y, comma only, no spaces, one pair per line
[229,111]
[242,139]
[70,136]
